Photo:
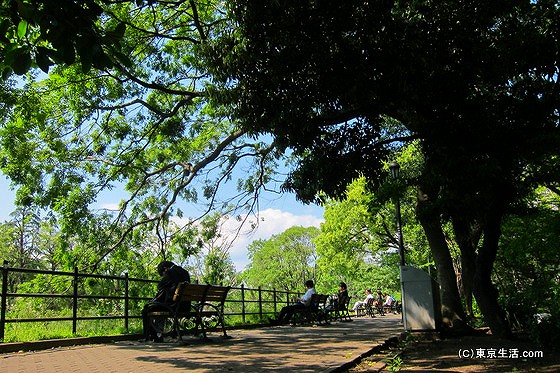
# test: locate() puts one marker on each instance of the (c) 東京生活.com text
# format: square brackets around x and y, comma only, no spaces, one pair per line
[498,353]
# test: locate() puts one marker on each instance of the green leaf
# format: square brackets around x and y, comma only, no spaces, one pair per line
[42,58]
[22,29]
[19,60]
[4,26]
[114,37]
[69,54]
[119,30]
[6,73]
[122,58]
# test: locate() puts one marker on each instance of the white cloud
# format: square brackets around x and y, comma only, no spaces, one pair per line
[271,222]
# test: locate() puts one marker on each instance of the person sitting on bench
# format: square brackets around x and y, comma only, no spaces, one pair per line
[337,299]
[359,305]
[287,312]
[389,301]
[171,275]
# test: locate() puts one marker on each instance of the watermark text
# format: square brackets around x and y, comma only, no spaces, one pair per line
[498,353]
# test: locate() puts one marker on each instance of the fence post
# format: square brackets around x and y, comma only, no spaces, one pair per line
[4,302]
[126,305]
[75,301]
[275,301]
[260,303]
[243,302]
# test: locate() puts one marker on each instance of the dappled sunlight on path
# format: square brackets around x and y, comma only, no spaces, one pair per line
[284,348]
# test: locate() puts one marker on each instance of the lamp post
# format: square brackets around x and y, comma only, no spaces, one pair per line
[395,168]
[395,171]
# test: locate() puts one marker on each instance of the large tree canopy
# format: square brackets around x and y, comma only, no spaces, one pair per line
[140,122]
[459,75]
[475,82]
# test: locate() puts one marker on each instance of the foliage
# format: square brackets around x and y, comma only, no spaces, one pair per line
[42,33]
[129,113]
[283,262]
[475,82]
[179,95]
[353,247]
[395,364]
[205,251]
[528,263]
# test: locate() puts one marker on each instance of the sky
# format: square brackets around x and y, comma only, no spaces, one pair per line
[273,221]
[275,216]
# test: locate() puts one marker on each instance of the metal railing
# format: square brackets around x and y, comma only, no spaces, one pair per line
[129,295]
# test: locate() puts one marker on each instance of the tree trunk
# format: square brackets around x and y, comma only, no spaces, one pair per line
[453,316]
[484,290]
[467,236]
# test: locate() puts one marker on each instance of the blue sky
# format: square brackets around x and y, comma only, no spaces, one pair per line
[276,214]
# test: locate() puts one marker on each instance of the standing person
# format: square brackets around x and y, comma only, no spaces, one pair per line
[171,275]
[362,304]
[287,312]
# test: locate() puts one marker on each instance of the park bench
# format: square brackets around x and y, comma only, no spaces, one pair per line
[394,308]
[197,308]
[339,310]
[314,313]
[369,309]
[372,308]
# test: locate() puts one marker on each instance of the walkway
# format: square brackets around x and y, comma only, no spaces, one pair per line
[278,349]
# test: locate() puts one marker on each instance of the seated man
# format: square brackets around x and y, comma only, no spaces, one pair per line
[358,305]
[287,312]
[171,275]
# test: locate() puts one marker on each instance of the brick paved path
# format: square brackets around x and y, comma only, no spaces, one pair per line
[278,349]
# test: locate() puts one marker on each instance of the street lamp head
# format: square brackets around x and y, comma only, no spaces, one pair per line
[395,168]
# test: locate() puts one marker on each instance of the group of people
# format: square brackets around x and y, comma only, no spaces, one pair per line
[379,301]
[172,274]
[288,311]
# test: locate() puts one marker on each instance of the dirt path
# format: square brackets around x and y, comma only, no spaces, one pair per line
[466,354]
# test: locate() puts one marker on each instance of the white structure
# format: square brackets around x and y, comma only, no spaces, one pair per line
[420,300]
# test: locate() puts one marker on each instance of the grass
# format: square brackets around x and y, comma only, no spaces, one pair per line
[36,331]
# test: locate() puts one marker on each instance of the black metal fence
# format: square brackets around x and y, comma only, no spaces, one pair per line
[127,296]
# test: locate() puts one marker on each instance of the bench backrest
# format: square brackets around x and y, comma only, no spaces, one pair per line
[216,294]
[318,300]
[200,293]
[322,300]
[344,302]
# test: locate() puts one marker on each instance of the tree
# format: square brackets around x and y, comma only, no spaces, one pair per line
[355,244]
[25,238]
[528,262]
[139,120]
[206,244]
[475,82]
[285,261]
[42,33]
